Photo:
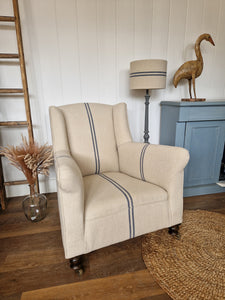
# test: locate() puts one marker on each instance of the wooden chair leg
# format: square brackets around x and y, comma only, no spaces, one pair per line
[76,264]
[174,230]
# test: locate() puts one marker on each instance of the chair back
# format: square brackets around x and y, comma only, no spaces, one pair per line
[86,131]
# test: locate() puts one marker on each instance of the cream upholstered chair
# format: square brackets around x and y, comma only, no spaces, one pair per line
[111,189]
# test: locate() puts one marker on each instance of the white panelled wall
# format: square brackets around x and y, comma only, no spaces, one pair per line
[80,51]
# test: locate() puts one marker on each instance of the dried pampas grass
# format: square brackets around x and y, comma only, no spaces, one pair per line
[30,158]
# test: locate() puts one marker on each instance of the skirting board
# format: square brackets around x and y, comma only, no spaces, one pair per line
[203,190]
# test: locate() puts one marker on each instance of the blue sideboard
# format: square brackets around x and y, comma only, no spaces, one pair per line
[200,128]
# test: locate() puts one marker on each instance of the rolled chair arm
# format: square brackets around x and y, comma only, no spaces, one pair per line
[153,163]
[160,165]
[71,203]
[69,176]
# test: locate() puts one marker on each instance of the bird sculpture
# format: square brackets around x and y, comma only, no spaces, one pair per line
[192,69]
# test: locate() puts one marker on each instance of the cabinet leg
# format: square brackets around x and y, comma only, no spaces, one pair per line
[174,230]
[76,264]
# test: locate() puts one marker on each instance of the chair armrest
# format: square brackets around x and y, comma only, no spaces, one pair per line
[71,203]
[69,176]
[154,163]
[160,165]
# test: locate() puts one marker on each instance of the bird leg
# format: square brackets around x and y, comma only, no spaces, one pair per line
[189,81]
[193,81]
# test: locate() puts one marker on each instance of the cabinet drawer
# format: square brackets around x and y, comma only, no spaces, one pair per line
[203,113]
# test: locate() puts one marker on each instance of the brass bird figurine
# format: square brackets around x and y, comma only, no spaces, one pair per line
[193,68]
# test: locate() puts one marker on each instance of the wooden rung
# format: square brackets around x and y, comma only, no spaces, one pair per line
[11,91]
[7,19]
[17,182]
[18,92]
[9,55]
[14,123]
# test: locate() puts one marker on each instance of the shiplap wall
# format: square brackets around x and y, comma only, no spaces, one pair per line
[80,50]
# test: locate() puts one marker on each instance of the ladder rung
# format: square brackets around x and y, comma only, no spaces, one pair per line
[9,55]
[11,91]
[14,123]
[7,19]
[17,182]
[14,20]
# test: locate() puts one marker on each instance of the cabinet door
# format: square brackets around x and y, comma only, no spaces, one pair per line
[205,142]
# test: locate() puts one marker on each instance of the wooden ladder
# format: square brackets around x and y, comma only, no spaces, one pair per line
[19,91]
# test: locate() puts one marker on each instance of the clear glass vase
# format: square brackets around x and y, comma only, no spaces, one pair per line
[35,206]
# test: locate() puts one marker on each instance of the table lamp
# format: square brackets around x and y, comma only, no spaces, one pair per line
[147,74]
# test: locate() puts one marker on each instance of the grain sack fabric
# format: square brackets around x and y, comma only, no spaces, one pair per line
[110,188]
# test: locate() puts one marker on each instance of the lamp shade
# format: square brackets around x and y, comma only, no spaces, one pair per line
[148,74]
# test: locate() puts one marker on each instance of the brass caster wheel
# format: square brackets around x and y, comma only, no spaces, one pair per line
[79,272]
[76,265]
[174,231]
[177,236]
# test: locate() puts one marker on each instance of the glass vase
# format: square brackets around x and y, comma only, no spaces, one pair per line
[35,207]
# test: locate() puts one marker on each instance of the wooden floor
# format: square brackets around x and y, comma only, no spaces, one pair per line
[32,257]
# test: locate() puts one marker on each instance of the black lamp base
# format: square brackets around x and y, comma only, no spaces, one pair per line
[146,131]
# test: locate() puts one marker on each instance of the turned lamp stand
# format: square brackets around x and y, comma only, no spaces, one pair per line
[147,74]
[146,131]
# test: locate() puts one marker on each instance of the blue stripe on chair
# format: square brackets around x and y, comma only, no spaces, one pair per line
[96,144]
[94,139]
[129,203]
[142,161]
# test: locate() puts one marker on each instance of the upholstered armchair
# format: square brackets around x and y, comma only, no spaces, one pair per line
[111,189]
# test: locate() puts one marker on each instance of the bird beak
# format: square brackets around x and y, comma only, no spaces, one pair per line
[211,41]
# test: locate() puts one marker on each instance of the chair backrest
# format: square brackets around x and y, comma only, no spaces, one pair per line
[90,132]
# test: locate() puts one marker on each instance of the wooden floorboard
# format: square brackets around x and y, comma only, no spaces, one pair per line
[134,285]
[32,257]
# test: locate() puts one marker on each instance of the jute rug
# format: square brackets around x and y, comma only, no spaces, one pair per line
[194,266]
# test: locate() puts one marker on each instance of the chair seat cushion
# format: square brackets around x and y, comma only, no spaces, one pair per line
[119,207]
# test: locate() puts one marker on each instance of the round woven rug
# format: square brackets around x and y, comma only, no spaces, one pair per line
[194,266]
